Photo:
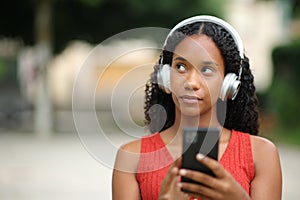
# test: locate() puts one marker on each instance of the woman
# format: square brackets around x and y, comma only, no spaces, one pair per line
[203,79]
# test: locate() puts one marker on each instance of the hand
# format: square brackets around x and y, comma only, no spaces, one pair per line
[169,189]
[221,187]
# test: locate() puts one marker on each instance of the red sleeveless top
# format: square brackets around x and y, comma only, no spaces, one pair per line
[155,160]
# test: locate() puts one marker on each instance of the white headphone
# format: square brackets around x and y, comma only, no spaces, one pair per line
[231,83]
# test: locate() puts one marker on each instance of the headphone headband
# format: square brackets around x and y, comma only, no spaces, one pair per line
[206,18]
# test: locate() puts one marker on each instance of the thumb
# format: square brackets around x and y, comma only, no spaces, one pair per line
[172,173]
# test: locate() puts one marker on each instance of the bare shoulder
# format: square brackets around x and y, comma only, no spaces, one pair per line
[128,157]
[133,146]
[267,181]
[264,151]
[261,145]
[124,172]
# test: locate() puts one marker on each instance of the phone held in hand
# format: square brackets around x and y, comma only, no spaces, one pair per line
[199,140]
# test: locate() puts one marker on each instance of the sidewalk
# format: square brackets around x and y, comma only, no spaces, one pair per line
[60,168]
[55,169]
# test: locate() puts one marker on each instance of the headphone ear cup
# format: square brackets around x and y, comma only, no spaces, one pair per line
[163,78]
[230,87]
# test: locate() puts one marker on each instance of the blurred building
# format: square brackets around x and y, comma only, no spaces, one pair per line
[260,24]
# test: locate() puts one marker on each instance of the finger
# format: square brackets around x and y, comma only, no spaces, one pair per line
[177,162]
[170,176]
[172,172]
[196,190]
[201,191]
[212,164]
[199,177]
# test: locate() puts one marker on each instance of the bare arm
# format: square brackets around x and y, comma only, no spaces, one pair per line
[267,183]
[124,182]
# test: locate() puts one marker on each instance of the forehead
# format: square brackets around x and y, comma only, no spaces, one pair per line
[199,46]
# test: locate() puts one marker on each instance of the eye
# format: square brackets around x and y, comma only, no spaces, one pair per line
[207,70]
[181,67]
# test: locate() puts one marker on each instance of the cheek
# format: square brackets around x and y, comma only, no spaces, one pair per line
[176,81]
[214,88]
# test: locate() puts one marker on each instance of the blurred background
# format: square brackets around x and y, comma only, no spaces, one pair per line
[43,44]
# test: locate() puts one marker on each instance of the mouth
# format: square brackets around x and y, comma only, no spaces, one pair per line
[190,99]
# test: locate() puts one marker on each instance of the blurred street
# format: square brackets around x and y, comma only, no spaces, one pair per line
[60,168]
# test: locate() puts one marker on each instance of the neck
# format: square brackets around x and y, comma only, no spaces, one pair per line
[174,133]
[208,119]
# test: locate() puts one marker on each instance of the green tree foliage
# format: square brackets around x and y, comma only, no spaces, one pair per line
[295,8]
[96,20]
[92,2]
[285,91]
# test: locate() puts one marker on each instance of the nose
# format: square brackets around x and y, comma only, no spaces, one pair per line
[193,80]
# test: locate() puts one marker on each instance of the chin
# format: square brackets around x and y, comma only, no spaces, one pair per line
[195,112]
[191,113]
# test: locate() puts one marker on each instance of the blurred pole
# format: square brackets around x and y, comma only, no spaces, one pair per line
[43,117]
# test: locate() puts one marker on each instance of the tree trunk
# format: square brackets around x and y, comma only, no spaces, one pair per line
[43,118]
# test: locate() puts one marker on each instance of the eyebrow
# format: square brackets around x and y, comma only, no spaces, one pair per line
[204,62]
[180,58]
[210,63]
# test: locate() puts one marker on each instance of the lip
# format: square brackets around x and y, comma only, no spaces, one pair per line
[190,99]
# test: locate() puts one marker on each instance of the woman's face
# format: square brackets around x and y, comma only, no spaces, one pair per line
[197,74]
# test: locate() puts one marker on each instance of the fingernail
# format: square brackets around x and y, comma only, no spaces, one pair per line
[200,156]
[182,172]
[179,185]
[174,170]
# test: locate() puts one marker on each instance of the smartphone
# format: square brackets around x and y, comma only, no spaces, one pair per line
[199,140]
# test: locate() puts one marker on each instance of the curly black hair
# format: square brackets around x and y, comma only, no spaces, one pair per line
[241,114]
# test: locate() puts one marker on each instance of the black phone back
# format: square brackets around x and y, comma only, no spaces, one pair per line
[195,140]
